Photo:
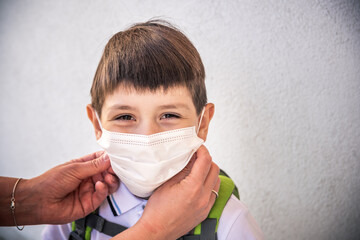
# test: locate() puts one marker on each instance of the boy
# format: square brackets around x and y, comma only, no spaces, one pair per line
[150,114]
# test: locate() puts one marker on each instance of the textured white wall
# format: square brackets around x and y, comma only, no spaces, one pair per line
[284,76]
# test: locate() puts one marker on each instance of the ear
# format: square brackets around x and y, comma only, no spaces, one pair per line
[93,119]
[208,115]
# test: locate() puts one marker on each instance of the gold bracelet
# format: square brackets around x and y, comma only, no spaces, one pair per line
[12,205]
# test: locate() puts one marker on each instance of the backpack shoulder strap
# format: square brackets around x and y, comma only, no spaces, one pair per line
[235,191]
[207,230]
[81,228]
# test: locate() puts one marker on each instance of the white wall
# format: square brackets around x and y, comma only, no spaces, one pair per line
[284,76]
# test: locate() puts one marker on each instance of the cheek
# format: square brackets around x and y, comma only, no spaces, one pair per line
[130,128]
[194,121]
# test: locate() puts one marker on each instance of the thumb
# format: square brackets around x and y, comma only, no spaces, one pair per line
[183,173]
[92,167]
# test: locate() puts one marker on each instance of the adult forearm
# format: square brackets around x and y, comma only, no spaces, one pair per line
[60,195]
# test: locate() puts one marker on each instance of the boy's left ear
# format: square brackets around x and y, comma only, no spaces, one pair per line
[208,115]
[93,119]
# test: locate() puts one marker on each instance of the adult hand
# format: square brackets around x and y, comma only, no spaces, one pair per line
[65,192]
[179,204]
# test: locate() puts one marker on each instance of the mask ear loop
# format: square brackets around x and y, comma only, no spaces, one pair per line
[97,117]
[201,117]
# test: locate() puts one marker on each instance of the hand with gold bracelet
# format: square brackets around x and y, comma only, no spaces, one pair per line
[74,189]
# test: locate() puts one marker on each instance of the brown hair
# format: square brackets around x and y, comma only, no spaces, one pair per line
[149,56]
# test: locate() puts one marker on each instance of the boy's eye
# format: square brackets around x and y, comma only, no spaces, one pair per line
[169,115]
[125,118]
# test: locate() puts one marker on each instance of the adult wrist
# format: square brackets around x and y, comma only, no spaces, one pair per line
[153,232]
[27,203]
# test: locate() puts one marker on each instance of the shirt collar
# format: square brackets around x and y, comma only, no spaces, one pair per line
[125,200]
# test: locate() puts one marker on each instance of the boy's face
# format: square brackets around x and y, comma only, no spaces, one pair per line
[129,111]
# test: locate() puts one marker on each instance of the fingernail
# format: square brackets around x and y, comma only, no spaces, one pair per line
[105,157]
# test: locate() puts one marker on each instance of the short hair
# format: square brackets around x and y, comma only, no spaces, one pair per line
[149,56]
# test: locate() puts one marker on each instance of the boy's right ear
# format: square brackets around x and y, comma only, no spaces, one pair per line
[94,120]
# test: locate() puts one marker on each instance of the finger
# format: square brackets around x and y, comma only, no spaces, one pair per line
[101,191]
[103,174]
[201,165]
[110,170]
[212,177]
[89,157]
[217,185]
[86,189]
[183,173]
[99,177]
[112,182]
[213,195]
[190,165]
[87,169]
[92,196]
[86,158]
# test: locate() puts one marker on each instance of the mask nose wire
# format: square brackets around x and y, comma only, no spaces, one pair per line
[201,117]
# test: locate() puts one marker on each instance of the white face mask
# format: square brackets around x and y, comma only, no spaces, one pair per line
[144,162]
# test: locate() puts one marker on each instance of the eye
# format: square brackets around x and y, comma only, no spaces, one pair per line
[125,118]
[169,115]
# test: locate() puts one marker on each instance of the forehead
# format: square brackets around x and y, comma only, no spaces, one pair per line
[128,95]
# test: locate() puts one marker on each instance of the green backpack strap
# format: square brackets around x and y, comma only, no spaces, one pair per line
[79,230]
[227,187]
[207,230]
[235,191]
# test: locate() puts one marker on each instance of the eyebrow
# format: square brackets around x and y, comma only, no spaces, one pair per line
[175,106]
[122,107]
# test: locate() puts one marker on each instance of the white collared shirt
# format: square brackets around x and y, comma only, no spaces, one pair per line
[125,209]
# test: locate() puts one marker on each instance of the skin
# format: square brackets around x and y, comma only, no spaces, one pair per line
[66,192]
[129,111]
[74,189]
[190,192]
